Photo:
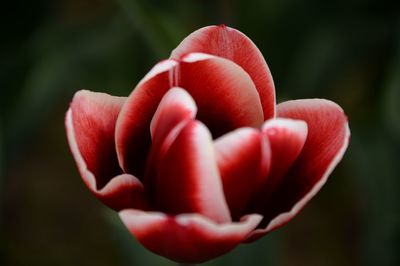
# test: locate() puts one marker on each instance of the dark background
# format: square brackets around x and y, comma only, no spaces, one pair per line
[346,51]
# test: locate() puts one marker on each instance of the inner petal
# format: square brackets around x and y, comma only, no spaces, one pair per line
[187,178]
[231,44]
[243,158]
[286,138]
[176,109]
[224,93]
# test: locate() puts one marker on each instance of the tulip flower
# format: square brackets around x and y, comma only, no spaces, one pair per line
[199,158]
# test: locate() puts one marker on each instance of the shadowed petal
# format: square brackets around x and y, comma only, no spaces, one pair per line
[186,238]
[132,135]
[233,45]
[188,179]
[327,140]
[225,95]
[90,124]
[287,138]
[243,158]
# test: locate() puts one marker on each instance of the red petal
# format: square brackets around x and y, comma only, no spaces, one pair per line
[132,133]
[327,140]
[287,138]
[176,109]
[224,93]
[189,238]
[233,45]
[187,178]
[176,106]
[243,158]
[90,124]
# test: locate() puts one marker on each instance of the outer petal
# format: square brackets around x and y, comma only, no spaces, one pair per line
[132,134]
[90,124]
[327,140]
[243,158]
[224,93]
[187,238]
[187,179]
[232,44]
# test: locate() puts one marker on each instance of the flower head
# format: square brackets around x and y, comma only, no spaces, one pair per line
[199,158]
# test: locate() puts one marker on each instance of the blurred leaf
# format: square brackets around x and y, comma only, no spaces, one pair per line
[144,21]
[314,62]
[62,65]
[392,95]
[377,180]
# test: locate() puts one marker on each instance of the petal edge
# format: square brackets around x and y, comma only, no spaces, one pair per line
[186,238]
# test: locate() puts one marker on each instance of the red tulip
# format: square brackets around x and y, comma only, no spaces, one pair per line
[199,158]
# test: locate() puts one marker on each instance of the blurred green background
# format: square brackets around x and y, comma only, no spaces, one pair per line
[346,51]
